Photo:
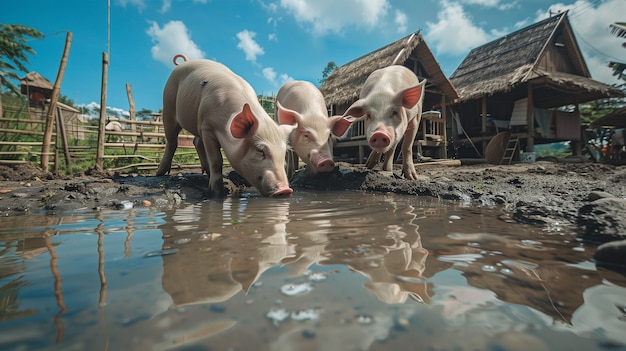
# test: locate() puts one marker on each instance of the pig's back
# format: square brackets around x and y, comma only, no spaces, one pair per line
[391,78]
[301,96]
[200,76]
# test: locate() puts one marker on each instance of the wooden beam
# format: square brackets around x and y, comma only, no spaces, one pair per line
[47,137]
[530,120]
[103,115]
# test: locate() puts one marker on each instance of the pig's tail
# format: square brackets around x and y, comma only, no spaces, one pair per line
[185,59]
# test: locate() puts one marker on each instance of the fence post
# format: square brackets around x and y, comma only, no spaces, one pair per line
[103,112]
[47,136]
[131,102]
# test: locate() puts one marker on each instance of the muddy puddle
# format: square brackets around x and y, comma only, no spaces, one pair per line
[317,271]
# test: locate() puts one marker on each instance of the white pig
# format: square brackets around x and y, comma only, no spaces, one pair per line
[391,103]
[221,109]
[302,105]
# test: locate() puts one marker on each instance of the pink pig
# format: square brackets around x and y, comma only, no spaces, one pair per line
[391,103]
[221,109]
[302,105]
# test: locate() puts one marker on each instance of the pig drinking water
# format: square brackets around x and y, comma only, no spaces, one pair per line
[302,105]
[391,103]
[221,109]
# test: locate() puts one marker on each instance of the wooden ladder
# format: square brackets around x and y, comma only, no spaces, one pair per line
[509,152]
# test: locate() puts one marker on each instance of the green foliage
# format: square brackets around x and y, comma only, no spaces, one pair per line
[268,103]
[14,51]
[591,111]
[330,67]
[65,100]
[144,115]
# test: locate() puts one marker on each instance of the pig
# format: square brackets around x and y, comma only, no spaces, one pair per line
[221,109]
[390,101]
[301,104]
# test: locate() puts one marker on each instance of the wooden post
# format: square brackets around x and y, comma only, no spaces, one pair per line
[131,102]
[47,137]
[62,132]
[103,114]
[530,120]
[484,122]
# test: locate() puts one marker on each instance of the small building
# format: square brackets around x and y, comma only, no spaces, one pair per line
[530,83]
[343,86]
[37,88]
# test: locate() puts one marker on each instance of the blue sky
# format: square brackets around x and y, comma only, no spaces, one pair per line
[269,42]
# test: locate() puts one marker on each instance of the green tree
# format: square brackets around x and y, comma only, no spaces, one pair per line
[65,100]
[330,67]
[144,114]
[14,51]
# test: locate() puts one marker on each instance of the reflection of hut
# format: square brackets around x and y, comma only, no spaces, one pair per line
[527,82]
[343,87]
[37,88]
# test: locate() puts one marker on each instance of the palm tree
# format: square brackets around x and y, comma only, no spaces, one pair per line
[13,54]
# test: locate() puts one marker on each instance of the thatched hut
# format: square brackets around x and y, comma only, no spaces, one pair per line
[343,86]
[37,88]
[529,82]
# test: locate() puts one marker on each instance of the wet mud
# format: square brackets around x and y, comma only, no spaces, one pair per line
[588,197]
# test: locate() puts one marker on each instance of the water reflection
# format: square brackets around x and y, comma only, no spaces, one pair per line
[315,271]
[226,249]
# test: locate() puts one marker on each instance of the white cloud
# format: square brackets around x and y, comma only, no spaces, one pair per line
[139,4]
[454,33]
[269,74]
[326,16]
[591,28]
[250,47]
[401,21]
[284,78]
[93,109]
[492,3]
[167,5]
[174,38]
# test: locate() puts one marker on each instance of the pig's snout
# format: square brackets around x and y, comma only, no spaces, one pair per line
[325,166]
[282,192]
[379,140]
[321,162]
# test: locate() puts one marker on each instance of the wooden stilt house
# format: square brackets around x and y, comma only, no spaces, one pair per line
[343,86]
[529,82]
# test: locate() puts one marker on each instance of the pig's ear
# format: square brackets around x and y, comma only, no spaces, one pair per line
[339,125]
[287,116]
[244,123]
[411,96]
[357,109]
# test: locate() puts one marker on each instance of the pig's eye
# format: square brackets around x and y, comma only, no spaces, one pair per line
[394,114]
[261,152]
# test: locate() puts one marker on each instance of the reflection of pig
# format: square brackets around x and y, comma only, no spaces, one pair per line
[391,103]
[301,103]
[221,109]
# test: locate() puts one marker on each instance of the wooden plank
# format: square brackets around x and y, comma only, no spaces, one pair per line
[25,132]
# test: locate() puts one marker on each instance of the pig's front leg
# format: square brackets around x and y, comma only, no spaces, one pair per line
[171,134]
[204,162]
[408,168]
[214,156]
[373,159]
[389,155]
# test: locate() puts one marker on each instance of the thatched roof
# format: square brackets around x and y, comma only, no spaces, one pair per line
[344,84]
[618,29]
[617,119]
[35,80]
[503,64]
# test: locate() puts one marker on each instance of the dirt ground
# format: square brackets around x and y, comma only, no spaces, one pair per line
[542,193]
